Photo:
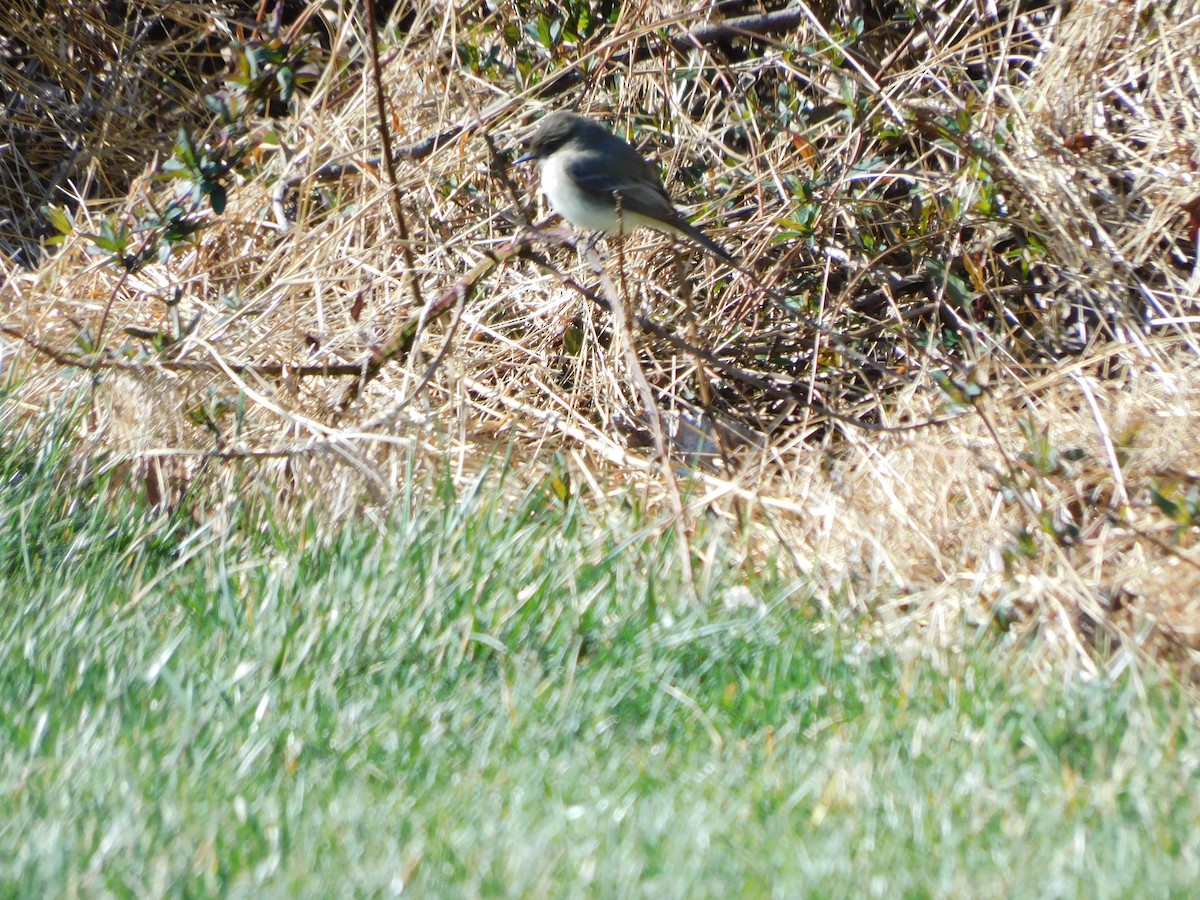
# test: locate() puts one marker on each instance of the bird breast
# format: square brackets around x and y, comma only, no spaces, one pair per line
[573,204]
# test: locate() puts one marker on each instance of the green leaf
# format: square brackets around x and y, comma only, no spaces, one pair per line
[217,197]
[956,288]
[185,149]
[1172,509]
[59,220]
[287,83]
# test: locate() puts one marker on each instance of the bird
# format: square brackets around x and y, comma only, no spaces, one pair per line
[586,170]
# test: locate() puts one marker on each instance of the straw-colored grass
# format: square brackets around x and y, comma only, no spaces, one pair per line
[1005,202]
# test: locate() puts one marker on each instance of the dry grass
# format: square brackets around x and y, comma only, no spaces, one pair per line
[1003,201]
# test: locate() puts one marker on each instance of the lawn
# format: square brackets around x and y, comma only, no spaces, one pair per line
[486,696]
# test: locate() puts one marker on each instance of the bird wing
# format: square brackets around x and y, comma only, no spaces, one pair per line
[643,195]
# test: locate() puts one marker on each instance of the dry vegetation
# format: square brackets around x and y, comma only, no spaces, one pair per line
[993,219]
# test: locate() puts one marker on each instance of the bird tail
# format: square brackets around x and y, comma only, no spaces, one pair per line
[694,234]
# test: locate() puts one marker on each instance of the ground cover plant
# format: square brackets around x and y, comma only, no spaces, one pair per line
[299,442]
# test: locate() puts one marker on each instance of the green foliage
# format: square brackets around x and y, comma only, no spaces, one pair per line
[962,390]
[61,221]
[1034,485]
[265,78]
[201,173]
[112,242]
[956,288]
[517,45]
[1041,456]
[163,231]
[1179,501]
[553,25]
[806,212]
[213,407]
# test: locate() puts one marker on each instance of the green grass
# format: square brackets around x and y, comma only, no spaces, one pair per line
[491,697]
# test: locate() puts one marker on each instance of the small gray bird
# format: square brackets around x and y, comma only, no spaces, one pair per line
[584,167]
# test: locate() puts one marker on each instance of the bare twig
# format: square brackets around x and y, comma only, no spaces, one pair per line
[389,163]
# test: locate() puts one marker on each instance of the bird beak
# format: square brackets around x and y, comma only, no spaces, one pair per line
[525,158]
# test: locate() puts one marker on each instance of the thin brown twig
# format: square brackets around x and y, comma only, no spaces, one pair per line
[389,163]
[266,370]
[618,300]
